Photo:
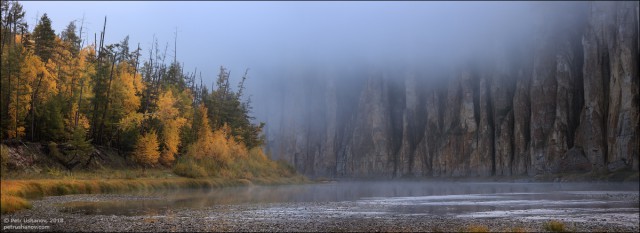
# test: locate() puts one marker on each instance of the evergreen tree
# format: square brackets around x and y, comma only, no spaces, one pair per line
[80,147]
[51,121]
[44,37]
[226,108]
[12,22]
[70,38]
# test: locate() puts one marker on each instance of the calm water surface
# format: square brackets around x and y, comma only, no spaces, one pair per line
[609,201]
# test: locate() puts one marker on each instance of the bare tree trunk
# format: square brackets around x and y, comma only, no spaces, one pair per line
[17,107]
[81,42]
[75,125]
[104,28]
[94,123]
[106,106]
[175,47]
[135,71]
[151,74]
[4,35]
[33,107]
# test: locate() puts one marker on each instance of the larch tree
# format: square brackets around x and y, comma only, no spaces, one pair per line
[80,105]
[56,89]
[44,88]
[146,151]
[12,22]
[19,97]
[34,78]
[210,144]
[124,105]
[12,60]
[203,144]
[12,54]
[171,122]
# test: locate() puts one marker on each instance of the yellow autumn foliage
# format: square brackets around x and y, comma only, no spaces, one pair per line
[125,86]
[146,150]
[131,120]
[21,93]
[168,114]
[47,81]
[83,121]
[217,145]
[62,67]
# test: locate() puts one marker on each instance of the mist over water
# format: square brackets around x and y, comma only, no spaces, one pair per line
[385,199]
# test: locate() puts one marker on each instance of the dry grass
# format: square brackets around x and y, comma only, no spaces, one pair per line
[253,167]
[10,203]
[96,174]
[252,164]
[14,193]
[555,226]
[517,230]
[477,228]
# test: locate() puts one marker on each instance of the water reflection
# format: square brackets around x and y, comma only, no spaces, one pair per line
[437,198]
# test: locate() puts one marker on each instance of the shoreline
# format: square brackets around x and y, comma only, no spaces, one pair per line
[252,217]
[16,194]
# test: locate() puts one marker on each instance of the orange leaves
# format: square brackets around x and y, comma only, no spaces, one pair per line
[218,145]
[47,82]
[31,68]
[202,147]
[18,109]
[166,109]
[125,86]
[86,67]
[212,145]
[146,151]
[22,87]
[131,121]
[171,140]
[70,123]
[168,114]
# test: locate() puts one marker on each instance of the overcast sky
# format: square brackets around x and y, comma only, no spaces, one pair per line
[256,35]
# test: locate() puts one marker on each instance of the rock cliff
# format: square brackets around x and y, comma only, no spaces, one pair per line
[569,102]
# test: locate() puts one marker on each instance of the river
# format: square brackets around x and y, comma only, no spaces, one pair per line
[338,206]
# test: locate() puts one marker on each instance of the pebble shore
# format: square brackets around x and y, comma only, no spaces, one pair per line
[270,217]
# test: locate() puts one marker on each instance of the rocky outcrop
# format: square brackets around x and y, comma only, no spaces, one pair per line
[569,102]
[609,120]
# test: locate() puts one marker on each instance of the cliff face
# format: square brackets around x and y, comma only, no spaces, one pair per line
[568,102]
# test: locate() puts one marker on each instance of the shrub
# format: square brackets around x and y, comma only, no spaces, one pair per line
[189,168]
[285,168]
[54,152]
[555,226]
[166,158]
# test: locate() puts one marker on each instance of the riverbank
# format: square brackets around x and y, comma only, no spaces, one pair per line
[15,194]
[50,214]
[29,171]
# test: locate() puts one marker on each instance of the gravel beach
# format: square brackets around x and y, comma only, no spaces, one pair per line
[49,214]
